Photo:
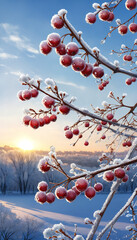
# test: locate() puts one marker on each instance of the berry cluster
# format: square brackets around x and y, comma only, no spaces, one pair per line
[127,143]
[131,80]
[118,172]
[103,15]
[66,53]
[27,94]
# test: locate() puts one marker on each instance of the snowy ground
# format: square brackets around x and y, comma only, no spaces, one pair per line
[69,214]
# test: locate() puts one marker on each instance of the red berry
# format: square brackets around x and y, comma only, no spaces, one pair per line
[34,123]
[87,70]
[98,72]
[50,197]
[76,131]
[46,119]
[78,64]
[53,118]
[124,144]
[103,137]
[61,49]
[40,197]
[90,18]
[133,79]
[119,172]
[96,64]
[122,29]
[26,94]
[104,84]
[48,102]
[128,168]
[98,187]
[69,134]
[99,127]
[108,176]
[43,166]
[64,109]
[76,191]
[66,60]
[114,120]
[41,122]
[19,95]
[34,93]
[81,184]
[100,87]
[86,143]
[111,17]
[42,186]
[26,120]
[60,192]
[53,39]
[128,81]
[131,4]
[129,143]
[45,48]
[127,58]
[90,192]
[103,122]
[110,116]
[66,128]
[86,124]
[71,195]
[57,22]
[103,15]
[125,178]
[72,49]
[133,27]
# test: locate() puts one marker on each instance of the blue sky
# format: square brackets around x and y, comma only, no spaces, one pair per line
[23,25]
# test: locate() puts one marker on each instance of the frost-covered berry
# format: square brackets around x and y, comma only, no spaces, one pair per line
[19,95]
[44,47]
[53,39]
[103,15]
[60,192]
[61,49]
[87,70]
[40,197]
[98,187]
[78,64]
[71,195]
[133,27]
[90,192]
[48,102]
[50,197]
[131,4]
[69,134]
[26,120]
[122,29]
[119,172]
[64,109]
[34,93]
[43,165]
[72,48]
[108,176]
[76,131]
[57,22]
[42,186]
[90,18]
[81,184]
[26,94]
[34,123]
[66,60]
[98,72]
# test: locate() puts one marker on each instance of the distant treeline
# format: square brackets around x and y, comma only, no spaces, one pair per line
[19,173]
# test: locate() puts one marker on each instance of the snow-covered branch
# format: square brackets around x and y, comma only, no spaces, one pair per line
[122,210]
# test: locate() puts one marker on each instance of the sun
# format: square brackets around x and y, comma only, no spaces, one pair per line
[25,144]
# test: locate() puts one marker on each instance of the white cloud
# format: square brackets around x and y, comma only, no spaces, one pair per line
[71,84]
[7,56]
[17,73]
[21,42]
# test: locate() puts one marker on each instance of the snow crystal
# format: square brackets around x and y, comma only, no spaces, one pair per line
[73,99]
[104,104]
[123,46]
[57,227]
[96,5]
[48,233]
[87,220]
[62,12]
[117,161]
[96,213]
[118,21]
[124,94]
[33,82]
[105,4]
[73,165]
[116,63]
[128,227]
[50,82]
[24,78]
[78,237]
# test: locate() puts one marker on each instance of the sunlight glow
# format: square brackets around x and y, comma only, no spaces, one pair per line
[25,144]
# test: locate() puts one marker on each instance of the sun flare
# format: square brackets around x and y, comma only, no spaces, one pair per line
[25,144]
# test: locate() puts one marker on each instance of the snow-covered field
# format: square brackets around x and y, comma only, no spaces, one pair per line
[69,213]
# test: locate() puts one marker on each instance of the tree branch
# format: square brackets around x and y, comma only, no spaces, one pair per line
[104,61]
[113,221]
